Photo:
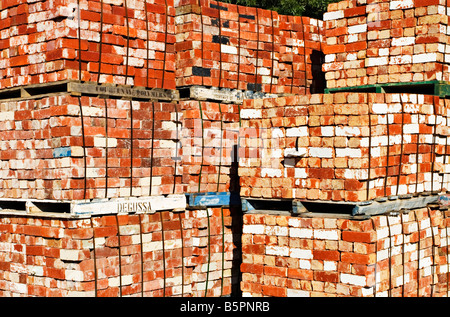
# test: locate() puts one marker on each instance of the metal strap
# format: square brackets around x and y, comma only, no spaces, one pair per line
[79,100]
[401,145]
[95,258]
[120,255]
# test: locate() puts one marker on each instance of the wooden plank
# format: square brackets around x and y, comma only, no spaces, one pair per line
[223,95]
[379,89]
[363,208]
[212,199]
[169,202]
[33,91]
[442,90]
[130,205]
[226,96]
[247,206]
[89,88]
[151,204]
[122,91]
[252,204]
[436,87]
[298,207]
[376,208]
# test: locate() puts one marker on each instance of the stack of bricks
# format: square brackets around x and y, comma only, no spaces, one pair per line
[47,153]
[344,146]
[209,141]
[301,40]
[248,49]
[225,46]
[215,237]
[385,42]
[411,254]
[153,255]
[442,260]
[125,42]
[396,255]
[123,148]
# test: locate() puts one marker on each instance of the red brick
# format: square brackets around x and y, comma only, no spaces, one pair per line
[109,292]
[35,250]
[326,255]
[81,233]
[274,291]
[49,232]
[54,273]
[251,287]
[275,271]
[18,61]
[332,277]
[332,49]
[356,258]
[355,47]
[356,11]
[5,266]
[359,236]
[300,274]
[423,3]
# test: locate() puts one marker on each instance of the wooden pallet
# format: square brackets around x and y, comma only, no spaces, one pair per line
[377,206]
[222,95]
[434,87]
[75,208]
[287,205]
[149,204]
[88,88]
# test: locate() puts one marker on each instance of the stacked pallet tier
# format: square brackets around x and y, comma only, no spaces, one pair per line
[301,55]
[122,42]
[64,147]
[399,255]
[166,254]
[67,147]
[385,42]
[244,48]
[344,147]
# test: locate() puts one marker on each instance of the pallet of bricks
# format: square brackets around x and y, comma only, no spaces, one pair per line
[97,42]
[350,147]
[164,254]
[89,117]
[125,42]
[402,254]
[385,42]
[65,147]
[245,49]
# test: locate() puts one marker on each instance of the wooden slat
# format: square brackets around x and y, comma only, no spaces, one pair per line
[434,87]
[212,199]
[79,89]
